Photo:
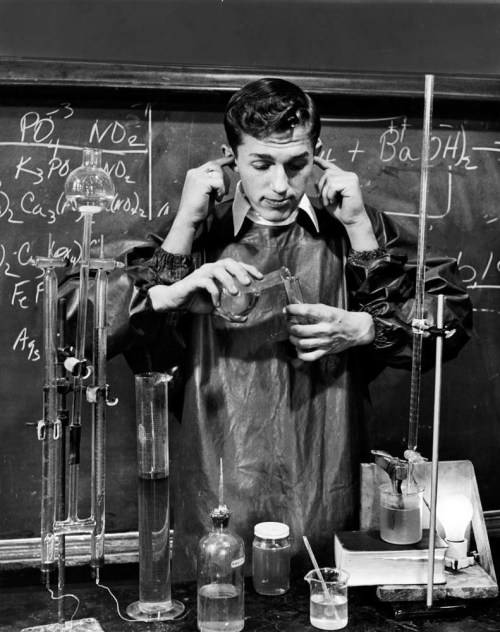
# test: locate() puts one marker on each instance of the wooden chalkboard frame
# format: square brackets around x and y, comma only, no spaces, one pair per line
[187,79]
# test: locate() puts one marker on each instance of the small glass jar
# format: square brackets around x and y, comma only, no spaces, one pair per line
[271,558]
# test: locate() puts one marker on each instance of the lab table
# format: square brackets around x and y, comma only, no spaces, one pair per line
[25,603]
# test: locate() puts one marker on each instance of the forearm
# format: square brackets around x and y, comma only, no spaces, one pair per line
[179,240]
[361,235]
[164,298]
[365,328]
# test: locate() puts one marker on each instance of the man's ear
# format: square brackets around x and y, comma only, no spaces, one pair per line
[318,148]
[227,152]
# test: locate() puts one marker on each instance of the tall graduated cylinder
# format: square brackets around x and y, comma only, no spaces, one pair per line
[155,598]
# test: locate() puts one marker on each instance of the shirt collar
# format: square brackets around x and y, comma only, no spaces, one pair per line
[242,207]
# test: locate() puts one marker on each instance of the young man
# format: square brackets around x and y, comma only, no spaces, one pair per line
[280,401]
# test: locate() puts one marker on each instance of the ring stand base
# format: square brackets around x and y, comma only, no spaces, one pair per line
[80,625]
[163,612]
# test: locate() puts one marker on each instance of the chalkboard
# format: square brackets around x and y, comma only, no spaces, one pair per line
[149,137]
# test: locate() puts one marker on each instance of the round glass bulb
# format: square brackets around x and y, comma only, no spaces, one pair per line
[89,189]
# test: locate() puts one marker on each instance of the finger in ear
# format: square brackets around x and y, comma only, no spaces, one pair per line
[227,152]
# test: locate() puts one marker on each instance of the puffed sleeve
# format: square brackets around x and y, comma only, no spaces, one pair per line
[155,334]
[162,268]
[383,284]
[146,340]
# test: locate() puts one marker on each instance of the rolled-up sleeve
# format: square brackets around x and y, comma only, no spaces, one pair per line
[385,286]
[163,268]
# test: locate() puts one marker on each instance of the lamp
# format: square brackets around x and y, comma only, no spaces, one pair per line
[455,513]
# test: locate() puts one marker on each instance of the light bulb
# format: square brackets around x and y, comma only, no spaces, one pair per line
[455,512]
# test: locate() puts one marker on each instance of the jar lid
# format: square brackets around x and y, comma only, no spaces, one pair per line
[271,530]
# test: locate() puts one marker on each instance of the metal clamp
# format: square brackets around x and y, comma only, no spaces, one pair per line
[40,430]
[419,326]
[93,393]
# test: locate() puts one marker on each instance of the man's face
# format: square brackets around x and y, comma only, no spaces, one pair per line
[274,171]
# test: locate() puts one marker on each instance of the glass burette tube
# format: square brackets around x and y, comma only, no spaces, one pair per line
[80,374]
[49,428]
[99,401]
[49,451]
[418,323]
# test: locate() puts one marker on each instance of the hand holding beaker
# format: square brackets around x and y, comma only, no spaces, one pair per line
[226,287]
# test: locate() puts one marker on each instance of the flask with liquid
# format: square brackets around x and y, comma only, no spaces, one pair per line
[271,558]
[221,559]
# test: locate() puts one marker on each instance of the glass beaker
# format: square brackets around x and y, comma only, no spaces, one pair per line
[328,598]
[236,306]
[155,598]
[293,294]
[401,514]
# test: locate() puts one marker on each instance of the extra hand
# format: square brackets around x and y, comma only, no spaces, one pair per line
[332,330]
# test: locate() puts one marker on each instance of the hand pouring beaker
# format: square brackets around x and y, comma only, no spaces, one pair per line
[328,598]
[236,307]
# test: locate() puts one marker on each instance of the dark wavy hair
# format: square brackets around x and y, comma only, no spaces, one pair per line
[269,105]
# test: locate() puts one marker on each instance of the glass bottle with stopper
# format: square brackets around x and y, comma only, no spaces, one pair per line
[221,559]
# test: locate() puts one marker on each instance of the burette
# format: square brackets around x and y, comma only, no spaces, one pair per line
[419,324]
[401,470]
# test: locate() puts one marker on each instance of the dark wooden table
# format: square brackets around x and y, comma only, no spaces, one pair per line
[27,605]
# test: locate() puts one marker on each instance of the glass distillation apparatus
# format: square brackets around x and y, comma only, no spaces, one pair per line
[68,374]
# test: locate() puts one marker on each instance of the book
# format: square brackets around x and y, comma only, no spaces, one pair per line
[372,562]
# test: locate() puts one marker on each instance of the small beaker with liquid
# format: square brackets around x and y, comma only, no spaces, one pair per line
[401,514]
[328,598]
[271,558]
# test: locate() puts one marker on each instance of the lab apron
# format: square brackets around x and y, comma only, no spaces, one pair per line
[285,430]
